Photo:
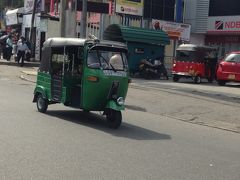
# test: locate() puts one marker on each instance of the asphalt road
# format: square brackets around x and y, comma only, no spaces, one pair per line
[66,143]
[206,104]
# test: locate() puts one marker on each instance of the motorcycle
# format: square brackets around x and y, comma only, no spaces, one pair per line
[149,70]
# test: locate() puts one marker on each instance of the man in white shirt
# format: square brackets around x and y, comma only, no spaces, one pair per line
[21,49]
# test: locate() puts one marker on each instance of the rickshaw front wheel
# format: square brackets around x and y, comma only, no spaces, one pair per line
[175,78]
[114,118]
[197,79]
[42,104]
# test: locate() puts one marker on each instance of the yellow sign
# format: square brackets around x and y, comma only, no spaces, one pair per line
[132,7]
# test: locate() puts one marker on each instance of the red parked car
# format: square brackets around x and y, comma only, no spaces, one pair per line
[229,68]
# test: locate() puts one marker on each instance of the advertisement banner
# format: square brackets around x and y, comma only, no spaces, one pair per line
[28,6]
[132,7]
[175,30]
[223,24]
[12,17]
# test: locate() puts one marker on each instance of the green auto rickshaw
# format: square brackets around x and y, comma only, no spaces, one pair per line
[88,74]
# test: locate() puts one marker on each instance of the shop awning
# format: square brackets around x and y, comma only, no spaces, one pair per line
[119,33]
[12,16]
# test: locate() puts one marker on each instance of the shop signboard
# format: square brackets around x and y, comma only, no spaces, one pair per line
[12,17]
[223,24]
[131,7]
[175,30]
[28,5]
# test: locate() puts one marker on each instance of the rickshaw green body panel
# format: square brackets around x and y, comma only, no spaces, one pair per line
[43,85]
[113,105]
[95,93]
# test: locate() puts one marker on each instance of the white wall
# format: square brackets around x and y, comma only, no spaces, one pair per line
[53,29]
[197,39]
[196,14]
[190,13]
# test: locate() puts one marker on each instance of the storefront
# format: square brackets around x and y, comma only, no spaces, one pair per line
[224,33]
[141,43]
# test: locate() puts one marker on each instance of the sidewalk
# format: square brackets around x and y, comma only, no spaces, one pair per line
[203,89]
[13,69]
[13,63]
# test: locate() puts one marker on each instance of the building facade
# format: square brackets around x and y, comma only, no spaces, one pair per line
[215,23]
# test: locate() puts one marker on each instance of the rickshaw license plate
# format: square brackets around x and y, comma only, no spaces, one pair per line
[231,76]
[112,73]
[191,71]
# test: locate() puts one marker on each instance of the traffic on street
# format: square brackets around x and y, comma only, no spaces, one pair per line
[119,90]
[169,130]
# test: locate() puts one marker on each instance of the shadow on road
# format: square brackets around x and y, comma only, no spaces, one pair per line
[98,122]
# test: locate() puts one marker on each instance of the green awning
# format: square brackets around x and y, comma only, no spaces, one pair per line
[119,33]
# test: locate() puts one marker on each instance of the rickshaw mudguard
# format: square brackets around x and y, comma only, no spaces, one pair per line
[113,105]
[39,90]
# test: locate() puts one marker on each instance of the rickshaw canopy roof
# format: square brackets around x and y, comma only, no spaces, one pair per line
[59,41]
[194,47]
[134,34]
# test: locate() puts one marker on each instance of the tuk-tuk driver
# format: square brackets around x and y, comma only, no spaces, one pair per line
[116,61]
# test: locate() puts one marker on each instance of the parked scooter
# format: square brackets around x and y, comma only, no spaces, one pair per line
[149,70]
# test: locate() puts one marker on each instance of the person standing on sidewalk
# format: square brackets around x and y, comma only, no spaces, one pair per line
[21,49]
[9,47]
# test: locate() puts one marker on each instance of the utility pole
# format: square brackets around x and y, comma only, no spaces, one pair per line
[32,28]
[62,18]
[83,19]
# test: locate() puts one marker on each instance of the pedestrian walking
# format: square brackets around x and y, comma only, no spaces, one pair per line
[9,47]
[21,49]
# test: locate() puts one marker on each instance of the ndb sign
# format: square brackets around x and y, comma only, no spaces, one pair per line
[132,7]
[226,24]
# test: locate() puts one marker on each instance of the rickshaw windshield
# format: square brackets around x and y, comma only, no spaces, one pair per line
[183,55]
[107,58]
[195,56]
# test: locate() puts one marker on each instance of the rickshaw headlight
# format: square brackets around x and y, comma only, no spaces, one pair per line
[120,101]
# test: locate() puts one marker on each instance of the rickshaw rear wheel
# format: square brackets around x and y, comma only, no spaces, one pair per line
[197,79]
[42,104]
[175,78]
[114,118]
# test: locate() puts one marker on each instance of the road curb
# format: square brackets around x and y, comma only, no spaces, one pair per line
[27,72]
[27,79]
